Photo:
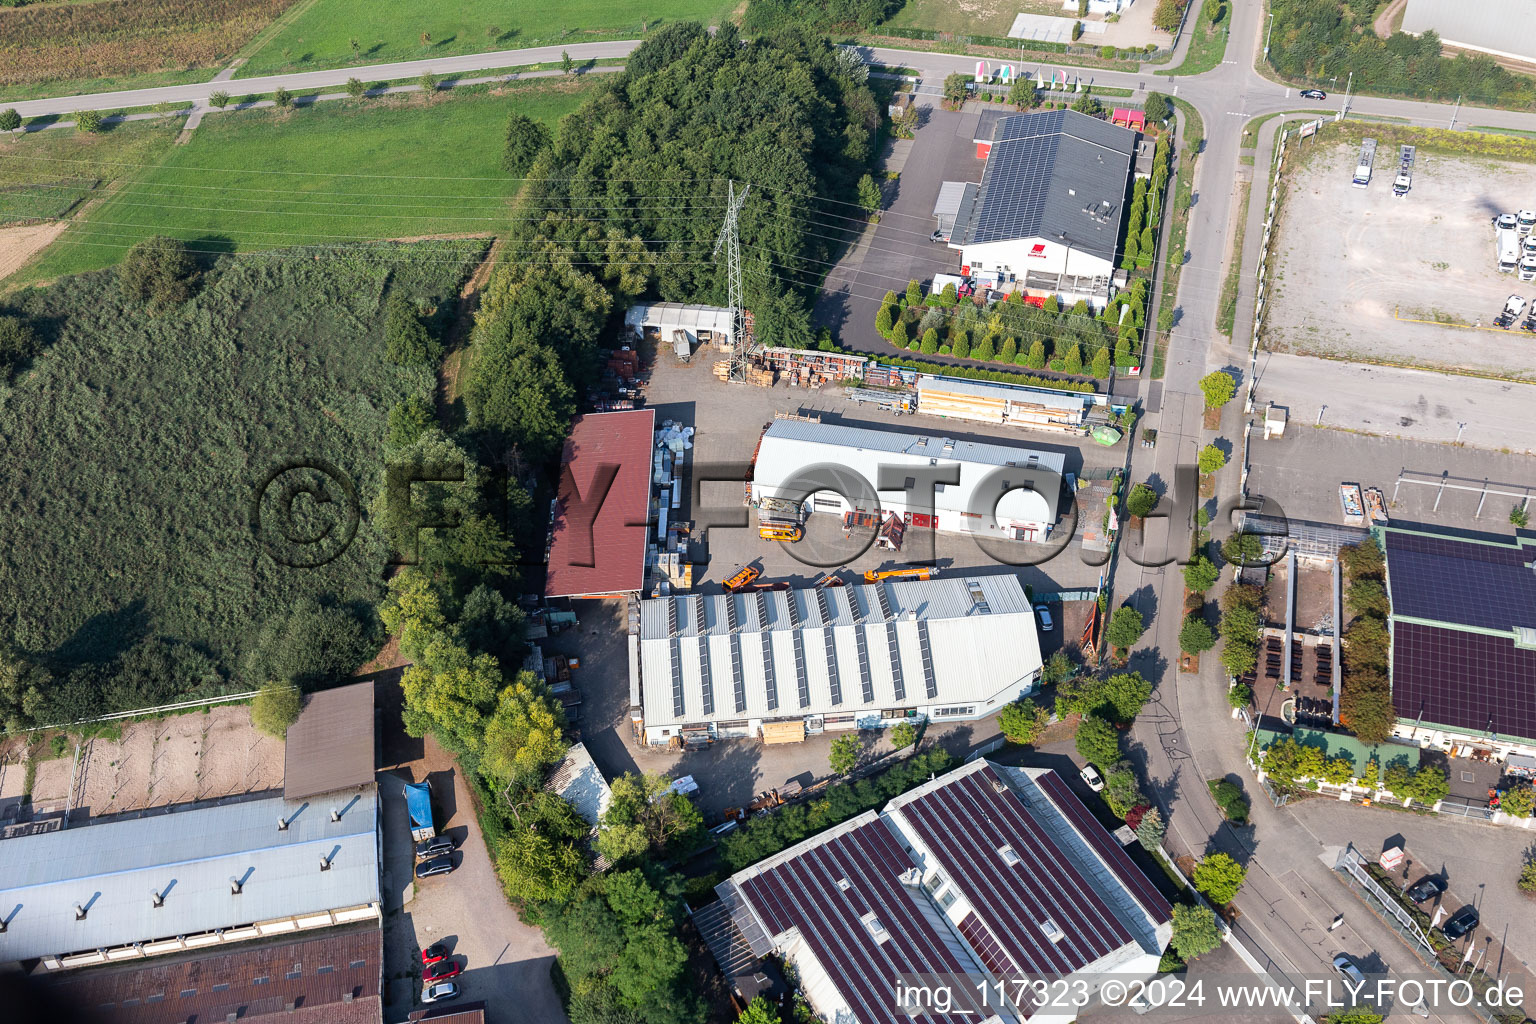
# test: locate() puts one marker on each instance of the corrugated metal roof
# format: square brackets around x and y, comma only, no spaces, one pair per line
[254,980]
[999,392]
[597,539]
[189,856]
[331,745]
[581,782]
[1044,169]
[792,447]
[667,315]
[980,646]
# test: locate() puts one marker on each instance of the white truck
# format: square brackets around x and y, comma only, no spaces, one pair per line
[1367,158]
[1528,268]
[1404,180]
[1525,220]
[1508,243]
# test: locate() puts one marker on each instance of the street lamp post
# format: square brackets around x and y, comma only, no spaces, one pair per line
[1269,35]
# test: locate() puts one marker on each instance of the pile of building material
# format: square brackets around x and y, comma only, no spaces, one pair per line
[757,376]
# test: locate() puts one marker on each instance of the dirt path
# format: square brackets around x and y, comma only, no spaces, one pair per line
[18,245]
[449,377]
[1382,26]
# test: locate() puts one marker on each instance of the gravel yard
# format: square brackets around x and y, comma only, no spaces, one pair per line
[1355,267]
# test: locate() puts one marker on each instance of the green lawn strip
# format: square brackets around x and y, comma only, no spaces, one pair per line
[340,171]
[1208,42]
[1173,257]
[45,174]
[321,35]
[1227,311]
[960,45]
[1502,131]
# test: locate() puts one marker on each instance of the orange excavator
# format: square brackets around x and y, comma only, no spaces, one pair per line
[919,573]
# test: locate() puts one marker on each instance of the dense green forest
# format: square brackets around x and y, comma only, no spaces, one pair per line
[768,15]
[1323,40]
[136,439]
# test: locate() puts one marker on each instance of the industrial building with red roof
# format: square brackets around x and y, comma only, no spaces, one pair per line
[598,533]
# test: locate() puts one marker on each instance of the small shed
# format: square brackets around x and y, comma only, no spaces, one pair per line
[947,208]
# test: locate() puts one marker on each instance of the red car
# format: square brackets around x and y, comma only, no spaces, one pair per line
[433,953]
[441,971]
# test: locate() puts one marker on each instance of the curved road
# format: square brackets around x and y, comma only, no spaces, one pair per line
[1186,735]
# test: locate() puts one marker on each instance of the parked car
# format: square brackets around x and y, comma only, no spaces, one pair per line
[437,993]
[441,971]
[434,846]
[433,953]
[435,866]
[1425,889]
[1347,967]
[937,236]
[1313,94]
[1091,776]
[1044,615]
[1460,923]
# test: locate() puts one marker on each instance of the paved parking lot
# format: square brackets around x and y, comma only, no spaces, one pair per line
[899,249]
[1301,474]
[1354,265]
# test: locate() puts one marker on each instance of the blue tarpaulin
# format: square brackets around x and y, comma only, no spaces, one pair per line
[418,800]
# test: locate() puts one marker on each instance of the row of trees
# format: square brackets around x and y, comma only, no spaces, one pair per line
[1146,214]
[1365,703]
[1291,765]
[1317,40]
[1072,341]
[1239,627]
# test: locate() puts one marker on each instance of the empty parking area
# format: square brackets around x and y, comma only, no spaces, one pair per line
[1354,267]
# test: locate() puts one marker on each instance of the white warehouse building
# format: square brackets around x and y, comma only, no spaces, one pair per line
[784,664]
[1047,215]
[1002,491]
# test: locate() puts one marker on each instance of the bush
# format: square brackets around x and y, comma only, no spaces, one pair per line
[1022,721]
[407,342]
[1141,501]
[1195,932]
[356,89]
[1126,626]
[282,98]
[1219,877]
[10,120]
[1196,635]
[1240,696]
[1230,799]
[88,120]
[903,735]
[1211,459]
[275,708]
[844,755]
[218,98]
[1098,741]
[1527,881]
[18,343]
[1201,574]
[524,139]
[428,83]
[158,271]
[1519,801]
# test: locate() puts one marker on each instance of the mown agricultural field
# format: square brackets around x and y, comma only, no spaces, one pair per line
[321,35]
[46,174]
[338,171]
[97,45]
[136,441]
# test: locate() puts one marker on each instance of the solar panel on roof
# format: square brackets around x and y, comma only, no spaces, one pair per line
[676,651]
[885,601]
[770,683]
[1470,681]
[862,643]
[832,678]
[898,680]
[927,653]
[823,606]
[706,678]
[1450,580]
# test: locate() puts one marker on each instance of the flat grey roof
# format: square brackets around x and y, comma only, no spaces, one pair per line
[1056,174]
[188,856]
[929,446]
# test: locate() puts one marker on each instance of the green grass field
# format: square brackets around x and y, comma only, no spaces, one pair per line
[339,171]
[1208,45]
[320,35]
[979,17]
[47,173]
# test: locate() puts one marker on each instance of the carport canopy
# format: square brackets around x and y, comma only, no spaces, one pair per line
[951,194]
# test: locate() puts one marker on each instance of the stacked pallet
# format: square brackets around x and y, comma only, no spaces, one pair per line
[756,375]
[722,369]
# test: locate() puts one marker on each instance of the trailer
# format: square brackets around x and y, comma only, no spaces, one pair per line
[418,801]
[1367,158]
[1404,180]
[891,401]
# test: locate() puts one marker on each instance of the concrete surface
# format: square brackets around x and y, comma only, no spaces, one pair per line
[1418,405]
[1354,266]
[1300,475]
